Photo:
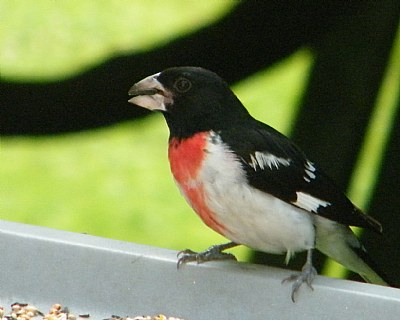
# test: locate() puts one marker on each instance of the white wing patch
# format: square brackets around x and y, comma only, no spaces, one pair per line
[263,160]
[309,203]
[309,172]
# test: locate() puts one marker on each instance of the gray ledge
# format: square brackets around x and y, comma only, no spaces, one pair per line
[102,277]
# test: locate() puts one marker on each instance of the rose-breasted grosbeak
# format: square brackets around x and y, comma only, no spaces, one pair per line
[247,181]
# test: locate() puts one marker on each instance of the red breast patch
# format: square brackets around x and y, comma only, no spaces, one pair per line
[186,158]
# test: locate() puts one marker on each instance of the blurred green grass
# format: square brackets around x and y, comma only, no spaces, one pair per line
[73,35]
[115,182]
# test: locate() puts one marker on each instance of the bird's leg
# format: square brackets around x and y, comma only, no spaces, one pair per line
[212,253]
[307,275]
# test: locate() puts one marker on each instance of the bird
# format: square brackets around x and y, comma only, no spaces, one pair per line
[249,182]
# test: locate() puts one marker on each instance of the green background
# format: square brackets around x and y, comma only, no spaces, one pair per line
[115,182]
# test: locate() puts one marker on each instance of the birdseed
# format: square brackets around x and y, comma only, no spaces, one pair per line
[25,311]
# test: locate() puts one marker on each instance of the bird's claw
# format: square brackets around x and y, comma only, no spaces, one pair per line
[211,254]
[186,256]
[307,276]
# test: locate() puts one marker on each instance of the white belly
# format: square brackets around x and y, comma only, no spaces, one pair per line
[250,216]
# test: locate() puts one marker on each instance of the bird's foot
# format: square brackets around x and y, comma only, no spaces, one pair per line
[307,276]
[211,254]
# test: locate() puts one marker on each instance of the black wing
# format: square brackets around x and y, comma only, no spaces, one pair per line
[277,166]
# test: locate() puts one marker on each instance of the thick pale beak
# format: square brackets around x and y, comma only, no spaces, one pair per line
[149,93]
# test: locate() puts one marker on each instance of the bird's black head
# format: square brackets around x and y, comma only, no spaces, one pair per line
[192,100]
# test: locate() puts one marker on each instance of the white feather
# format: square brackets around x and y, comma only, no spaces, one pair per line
[265,159]
[309,172]
[309,202]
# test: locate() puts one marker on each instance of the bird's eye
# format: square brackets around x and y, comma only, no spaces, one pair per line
[182,85]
